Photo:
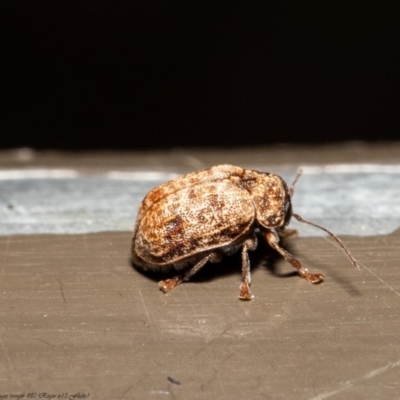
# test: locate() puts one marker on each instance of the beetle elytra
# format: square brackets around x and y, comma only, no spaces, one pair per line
[199,217]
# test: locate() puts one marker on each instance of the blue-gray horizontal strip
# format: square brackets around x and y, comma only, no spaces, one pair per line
[347,199]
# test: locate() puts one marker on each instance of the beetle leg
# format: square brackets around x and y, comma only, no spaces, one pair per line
[212,257]
[169,284]
[244,288]
[273,240]
[287,233]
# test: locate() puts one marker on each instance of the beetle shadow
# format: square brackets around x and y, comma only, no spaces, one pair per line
[269,258]
[207,273]
[335,276]
[345,283]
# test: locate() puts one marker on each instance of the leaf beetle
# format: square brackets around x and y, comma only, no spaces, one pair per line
[198,217]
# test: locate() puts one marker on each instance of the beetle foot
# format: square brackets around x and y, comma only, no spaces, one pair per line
[310,277]
[169,284]
[245,292]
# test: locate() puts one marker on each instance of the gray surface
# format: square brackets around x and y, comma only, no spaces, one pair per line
[348,199]
[76,318]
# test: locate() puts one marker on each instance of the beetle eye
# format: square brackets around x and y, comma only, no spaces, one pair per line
[288,211]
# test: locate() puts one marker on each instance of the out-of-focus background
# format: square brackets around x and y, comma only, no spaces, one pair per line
[268,85]
[151,74]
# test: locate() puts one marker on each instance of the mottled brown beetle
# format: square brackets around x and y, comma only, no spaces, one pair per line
[200,216]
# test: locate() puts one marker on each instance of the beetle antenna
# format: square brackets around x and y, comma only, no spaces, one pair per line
[341,244]
[291,190]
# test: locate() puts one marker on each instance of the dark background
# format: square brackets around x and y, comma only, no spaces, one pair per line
[151,74]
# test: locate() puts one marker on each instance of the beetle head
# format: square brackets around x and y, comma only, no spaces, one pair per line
[271,198]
